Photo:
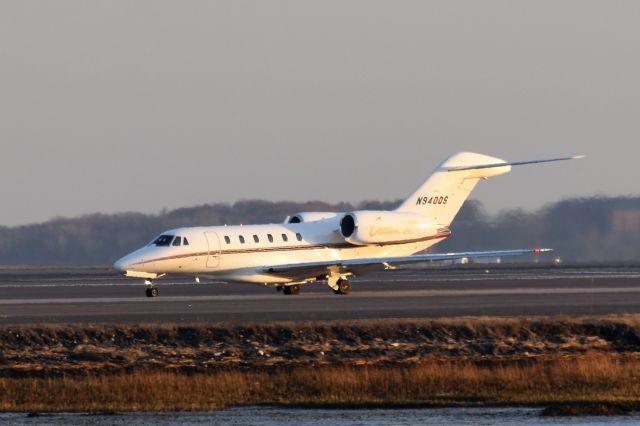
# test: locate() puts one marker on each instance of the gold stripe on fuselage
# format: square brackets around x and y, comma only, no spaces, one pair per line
[285,248]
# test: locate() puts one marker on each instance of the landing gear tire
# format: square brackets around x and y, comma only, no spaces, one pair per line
[152,292]
[291,289]
[344,287]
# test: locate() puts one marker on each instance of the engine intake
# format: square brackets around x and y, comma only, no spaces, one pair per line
[348,225]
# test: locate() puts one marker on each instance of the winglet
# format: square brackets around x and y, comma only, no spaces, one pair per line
[541,250]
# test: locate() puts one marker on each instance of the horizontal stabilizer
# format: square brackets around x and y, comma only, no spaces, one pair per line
[512,163]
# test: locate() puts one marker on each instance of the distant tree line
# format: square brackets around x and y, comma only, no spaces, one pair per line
[597,229]
[581,229]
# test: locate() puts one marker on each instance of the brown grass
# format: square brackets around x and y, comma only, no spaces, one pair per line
[80,349]
[570,363]
[594,378]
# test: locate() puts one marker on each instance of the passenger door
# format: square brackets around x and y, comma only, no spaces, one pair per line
[213,257]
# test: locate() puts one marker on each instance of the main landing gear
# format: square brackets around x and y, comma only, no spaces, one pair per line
[338,285]
[291,289]
[344,287]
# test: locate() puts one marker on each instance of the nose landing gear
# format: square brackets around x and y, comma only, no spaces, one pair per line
[151,291]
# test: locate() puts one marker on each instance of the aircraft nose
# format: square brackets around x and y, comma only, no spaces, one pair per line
[121,265]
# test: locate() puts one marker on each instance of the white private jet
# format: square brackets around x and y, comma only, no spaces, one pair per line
[325,246]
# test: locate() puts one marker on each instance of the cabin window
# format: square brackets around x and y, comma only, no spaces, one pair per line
[227,239]
[298,236]
[184,241]
[177,241]
[284,238]
[256,239]
[270,238]
[163,241]
[241,238]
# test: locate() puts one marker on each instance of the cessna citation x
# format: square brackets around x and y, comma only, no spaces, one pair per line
[325,246]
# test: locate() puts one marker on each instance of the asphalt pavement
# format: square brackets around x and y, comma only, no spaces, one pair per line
[99,295]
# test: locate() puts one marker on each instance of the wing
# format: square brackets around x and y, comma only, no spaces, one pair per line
[302,271]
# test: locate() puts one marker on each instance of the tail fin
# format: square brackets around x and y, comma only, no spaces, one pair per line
[442,195]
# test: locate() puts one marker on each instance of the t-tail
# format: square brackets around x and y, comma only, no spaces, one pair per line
[442,195]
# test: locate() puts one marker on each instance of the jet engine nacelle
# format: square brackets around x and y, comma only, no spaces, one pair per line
[378,227]
[306,217]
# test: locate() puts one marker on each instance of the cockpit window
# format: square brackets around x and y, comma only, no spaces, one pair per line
[184,241]
[177,241]
[163,241]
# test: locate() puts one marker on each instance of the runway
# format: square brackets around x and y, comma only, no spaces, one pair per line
[101,296]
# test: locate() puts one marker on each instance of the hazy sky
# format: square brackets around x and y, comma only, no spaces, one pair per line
[110,106]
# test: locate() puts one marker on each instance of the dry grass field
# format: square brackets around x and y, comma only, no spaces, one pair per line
[483,361]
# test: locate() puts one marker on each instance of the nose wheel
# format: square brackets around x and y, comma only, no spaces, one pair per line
[152,292]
